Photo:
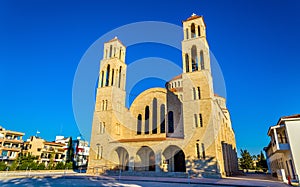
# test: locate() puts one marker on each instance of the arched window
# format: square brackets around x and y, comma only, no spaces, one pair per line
[187,63]
[105,104]
[154,116]
[147,120]
[115,50]
[120,53]
[162,118]
[107,75]
[120,74]
[202,60]
[139,124]
[110,51]
[199,31]
[199,92]
[193,31]
[102,78]
[194,58]
[170,122]
[198,150]
[112,77]
[187,33]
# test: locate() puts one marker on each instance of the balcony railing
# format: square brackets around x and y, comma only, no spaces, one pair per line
[282,147]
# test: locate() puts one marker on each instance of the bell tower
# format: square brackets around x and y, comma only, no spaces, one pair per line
[110,99]
[195,49]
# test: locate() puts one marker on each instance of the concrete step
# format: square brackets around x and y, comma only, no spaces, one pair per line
[145,173]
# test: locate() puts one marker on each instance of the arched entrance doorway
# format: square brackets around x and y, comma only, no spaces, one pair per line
[145,159]
[174,158]
[123,158]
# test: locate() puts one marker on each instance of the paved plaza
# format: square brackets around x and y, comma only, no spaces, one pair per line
[76,179]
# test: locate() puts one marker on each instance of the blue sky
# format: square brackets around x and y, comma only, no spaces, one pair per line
[255,42]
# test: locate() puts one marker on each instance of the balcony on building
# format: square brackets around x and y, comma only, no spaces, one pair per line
[279,140]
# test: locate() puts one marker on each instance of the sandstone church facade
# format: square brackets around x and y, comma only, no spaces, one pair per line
[184,127]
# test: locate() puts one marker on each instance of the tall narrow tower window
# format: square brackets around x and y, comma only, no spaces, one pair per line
[201,120]
[199,31]
[194,59]
[102,78]
[196,120]
[107,75]
[199,92]
[202,60]
[187,33]
[187,63]
[198,150]
[154,116]
[120,74]
[203,150]
[170,122]
[112,76]
[193,31]
[110,51]
[120,53]
[194,93]
[147,120]
[139,125]
[162,119]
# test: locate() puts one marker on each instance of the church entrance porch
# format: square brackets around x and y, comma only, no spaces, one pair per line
[123,158]
[174,159]
[145,159]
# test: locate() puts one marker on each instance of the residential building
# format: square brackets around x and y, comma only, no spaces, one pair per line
[45,151]
[184,127]
[10,144]
[283,151]
[81,152]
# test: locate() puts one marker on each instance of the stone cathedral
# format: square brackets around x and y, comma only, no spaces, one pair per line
[184,127]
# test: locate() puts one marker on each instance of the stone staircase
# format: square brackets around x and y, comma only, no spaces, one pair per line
[145,173]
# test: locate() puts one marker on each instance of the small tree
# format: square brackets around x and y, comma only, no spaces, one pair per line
[69,165]
[41,166]
[246,161]
[3,166]
[60,165]
[262,162]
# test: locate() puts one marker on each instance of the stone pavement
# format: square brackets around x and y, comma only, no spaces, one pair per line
[90,180]
[229,181]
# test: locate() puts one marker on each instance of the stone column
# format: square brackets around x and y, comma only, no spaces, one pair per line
[276,138]
[158,161]
[131,163]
